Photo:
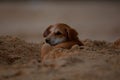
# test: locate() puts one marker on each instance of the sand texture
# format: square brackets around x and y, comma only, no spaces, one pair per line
[96,60]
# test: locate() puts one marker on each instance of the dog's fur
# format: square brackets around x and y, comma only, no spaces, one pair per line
[59,36]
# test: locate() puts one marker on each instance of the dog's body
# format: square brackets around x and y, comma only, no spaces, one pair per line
[59,36]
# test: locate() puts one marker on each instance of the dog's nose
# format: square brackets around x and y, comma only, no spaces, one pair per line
[47,40]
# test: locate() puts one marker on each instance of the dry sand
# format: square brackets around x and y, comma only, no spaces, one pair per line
[97,60]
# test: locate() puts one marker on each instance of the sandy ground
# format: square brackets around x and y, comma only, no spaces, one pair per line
[96,60]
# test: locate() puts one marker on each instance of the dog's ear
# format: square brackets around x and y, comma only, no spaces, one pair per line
[72,34]
[47,31]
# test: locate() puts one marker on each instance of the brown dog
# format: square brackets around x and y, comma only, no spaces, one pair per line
[59,36]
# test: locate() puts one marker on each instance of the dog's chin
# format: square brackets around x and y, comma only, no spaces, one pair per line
[53,44]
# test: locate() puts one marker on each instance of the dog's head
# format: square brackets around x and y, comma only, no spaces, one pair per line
[59,33]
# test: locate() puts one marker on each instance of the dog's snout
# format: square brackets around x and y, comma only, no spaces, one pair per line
[47,40]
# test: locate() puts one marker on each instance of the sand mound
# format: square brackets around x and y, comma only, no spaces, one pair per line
[117,44]
[97,60]
[13,50]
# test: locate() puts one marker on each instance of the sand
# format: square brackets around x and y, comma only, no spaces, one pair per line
[96,60]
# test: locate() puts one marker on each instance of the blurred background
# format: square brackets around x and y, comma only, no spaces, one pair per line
[96,19]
